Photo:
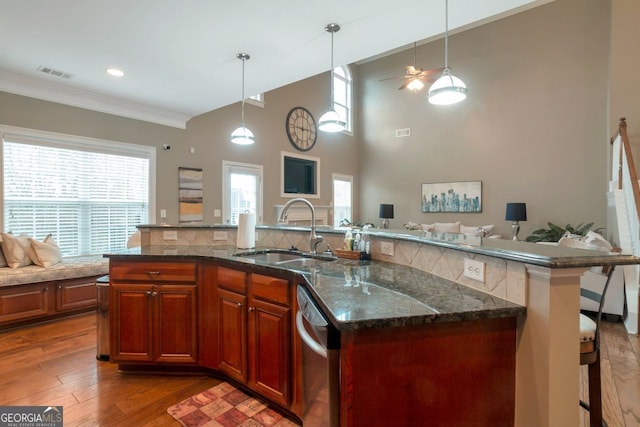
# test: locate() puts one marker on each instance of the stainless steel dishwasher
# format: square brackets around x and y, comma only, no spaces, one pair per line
[320,363]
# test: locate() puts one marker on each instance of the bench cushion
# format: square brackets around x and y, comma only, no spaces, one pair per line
[69,268]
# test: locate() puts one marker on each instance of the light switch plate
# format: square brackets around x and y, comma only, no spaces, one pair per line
[386,248]
[217,213]
[474,269]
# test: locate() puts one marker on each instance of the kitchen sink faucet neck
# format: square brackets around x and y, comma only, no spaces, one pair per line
[314,239]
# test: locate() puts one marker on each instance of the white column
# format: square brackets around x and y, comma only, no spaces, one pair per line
[548,350]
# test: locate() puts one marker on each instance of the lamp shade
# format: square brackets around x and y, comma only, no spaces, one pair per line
[242,136]
[516,212]
[447,90]
[386,211]
[331,122]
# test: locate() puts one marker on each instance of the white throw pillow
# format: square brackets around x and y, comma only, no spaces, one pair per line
[447,227]
[15,250]
[597,241]
[45,253]
[487,229]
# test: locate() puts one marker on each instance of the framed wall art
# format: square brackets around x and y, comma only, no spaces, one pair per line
[464,196]
[190,195]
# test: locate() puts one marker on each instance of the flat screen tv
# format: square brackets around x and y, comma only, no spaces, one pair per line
[300,175]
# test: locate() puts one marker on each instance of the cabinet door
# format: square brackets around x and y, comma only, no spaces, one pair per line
[131,316]
[269,350]
[74,294]
[233,334]
[175,327]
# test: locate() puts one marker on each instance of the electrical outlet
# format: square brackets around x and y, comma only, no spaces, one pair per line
[217,213]
[386,248]
[170,235]
[163,213]
[474,269]
[220,235]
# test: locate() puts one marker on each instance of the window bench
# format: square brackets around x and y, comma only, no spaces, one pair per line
[34,294]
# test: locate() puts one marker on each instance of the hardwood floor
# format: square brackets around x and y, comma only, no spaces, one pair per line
[55,364]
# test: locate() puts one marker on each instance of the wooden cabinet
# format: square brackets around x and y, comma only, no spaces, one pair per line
[153,312]
[35,302]
[254,331]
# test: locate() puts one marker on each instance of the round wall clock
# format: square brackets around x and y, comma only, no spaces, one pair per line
[301,128]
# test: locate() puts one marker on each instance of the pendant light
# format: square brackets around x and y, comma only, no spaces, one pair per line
[448,89]
[242,135]
[331,120]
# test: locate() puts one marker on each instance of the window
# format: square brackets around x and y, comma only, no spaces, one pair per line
[342,95]
[342,198]
[242,191]
[89,194]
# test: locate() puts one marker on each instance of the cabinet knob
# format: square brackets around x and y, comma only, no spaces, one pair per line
[240,304]
[251,308]
[154,293]
[148,292]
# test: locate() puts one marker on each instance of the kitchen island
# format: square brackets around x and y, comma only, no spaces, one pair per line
[546,280]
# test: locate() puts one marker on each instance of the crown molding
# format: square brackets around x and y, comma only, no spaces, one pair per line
[47,91]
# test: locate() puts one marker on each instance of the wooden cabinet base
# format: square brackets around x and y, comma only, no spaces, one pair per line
[21,305]
[453,374]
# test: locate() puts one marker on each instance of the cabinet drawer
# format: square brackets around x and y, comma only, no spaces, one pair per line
[154,271]
[270,288]
[24,302]
[232,279]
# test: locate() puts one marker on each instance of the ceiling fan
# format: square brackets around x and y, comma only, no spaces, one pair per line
[416,76]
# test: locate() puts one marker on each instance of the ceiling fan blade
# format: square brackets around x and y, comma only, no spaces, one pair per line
[396,77]
[404,85]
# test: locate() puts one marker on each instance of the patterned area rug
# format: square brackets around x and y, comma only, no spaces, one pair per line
[225,405]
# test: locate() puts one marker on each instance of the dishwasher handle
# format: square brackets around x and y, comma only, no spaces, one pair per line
[307,338]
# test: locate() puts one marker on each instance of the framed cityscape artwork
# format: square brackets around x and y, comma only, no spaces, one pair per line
[465,196]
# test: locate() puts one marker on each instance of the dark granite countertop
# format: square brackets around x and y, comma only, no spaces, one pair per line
[362,294]
[530,253]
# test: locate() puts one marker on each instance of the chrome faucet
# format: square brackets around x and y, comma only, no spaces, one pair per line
[314,239]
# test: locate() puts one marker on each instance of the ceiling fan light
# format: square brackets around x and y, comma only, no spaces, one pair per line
[242,136]
[447,90]
[415,85]
[331,122]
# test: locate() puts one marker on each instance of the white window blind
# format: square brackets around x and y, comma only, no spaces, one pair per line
[91,202]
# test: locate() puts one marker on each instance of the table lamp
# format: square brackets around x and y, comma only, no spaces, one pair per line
[386,212]
[516,212]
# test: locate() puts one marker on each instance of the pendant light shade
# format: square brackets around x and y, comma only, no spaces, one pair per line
[242,135]
[448,89]
[331,120]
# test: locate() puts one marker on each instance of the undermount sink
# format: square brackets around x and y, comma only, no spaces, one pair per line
[288,259]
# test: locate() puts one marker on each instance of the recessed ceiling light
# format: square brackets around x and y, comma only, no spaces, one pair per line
[115,72]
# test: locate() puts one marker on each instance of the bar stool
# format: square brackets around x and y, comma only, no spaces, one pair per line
[590,352]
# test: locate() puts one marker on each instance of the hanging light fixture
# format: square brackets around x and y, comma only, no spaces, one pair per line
[242,135]
[448,89]
[331,120]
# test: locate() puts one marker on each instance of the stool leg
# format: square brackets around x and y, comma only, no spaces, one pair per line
[595,394]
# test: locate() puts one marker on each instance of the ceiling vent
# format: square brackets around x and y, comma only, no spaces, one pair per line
[53,72]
